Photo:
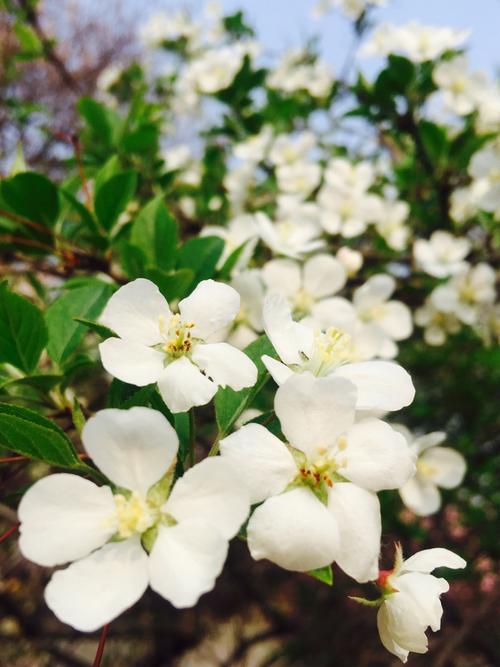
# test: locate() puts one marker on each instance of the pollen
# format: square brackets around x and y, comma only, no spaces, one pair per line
[134,514]
[177,336]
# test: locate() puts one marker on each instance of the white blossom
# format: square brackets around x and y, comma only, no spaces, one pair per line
[121,540]
[466,292]
[174,350]
[442,255]
[411,601]
[436,467]
[381,385]
[353,9]
[319,488]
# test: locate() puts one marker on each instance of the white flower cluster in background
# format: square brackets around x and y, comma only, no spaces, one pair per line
[353,9]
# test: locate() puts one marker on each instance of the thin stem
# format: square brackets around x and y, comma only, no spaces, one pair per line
[9,532]
[11,459]
[192,436]
[214,449]
[101,645]
[81,172]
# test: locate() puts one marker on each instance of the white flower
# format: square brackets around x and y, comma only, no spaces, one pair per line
[248,323]
[351,259]
[436,467]
[411,601]
[176,157]
[255,148]
[288,149]
[347,212]
[240,230]
[306,288]
[380,385]
[485,167]
[437,325]
[296,72]
[353,9]
[136,535]
[417,42]
[215,69]
[461,88]
[391,318]
[442,255]
[466,292]
[298,178]
[290,237]
[319,490]
[162,26]
[391,223]
[346,177]
[154,345]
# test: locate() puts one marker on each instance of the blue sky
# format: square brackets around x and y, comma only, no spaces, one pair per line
[285,23]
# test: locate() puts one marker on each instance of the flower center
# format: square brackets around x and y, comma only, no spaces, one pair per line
[303,302]
[134,514]
[373,313]
[425,469]
[176,335]
[322,472]
[331,348]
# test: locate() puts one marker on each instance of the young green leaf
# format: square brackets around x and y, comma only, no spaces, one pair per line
[154,231]
[65,334]
[28,433]
[174,285]
[113,197]
[23,333]
[323,574]
[201,255]
[229,404]
[32,196]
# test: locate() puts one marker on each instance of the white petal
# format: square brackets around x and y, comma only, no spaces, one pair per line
[423,442]
[334,312]
[357,513]
[375,291]
[386,638]
[225,365]
[314,411]
[289,338]
[278,371]
[323,276]
[211,306]
[185,561]
[64,517]
[420,496]
[294,530]
[131,362]
[381,385]
[396,320]
[377,456]
[134,448]
[95,590]
[444,466]
[263,462]
[428,559]
[182,386]
[282,276]
[399,615]
[211,491]
[133,312]
[425,591]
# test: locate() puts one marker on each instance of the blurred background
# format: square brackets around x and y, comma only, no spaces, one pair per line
[259,615]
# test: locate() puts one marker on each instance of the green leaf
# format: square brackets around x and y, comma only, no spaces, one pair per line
[154,231]
[42,383]
[99,119]
[85,215]
[110,168]
[201,255]
[97,328]
[230,263]
[23,333]
[28,39]
[435,141]
[132,260]
[123,395]
[113,197]
[229,404]
[323,574]
[28,433]
[32,196]
[174,285]
[142,139]
[85,302]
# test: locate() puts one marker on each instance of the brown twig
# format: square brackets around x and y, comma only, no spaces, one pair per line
[100,647]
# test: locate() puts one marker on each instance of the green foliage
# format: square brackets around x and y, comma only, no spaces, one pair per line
[28,433]
[65,333]
[113,196]
[229,404]
[23,333]
[200,255]
[31,196]
[154,231]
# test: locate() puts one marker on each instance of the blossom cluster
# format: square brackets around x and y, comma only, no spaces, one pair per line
[330,254]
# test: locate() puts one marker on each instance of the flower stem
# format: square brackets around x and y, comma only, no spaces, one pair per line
[101,645]
[192,436]
[9,532]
